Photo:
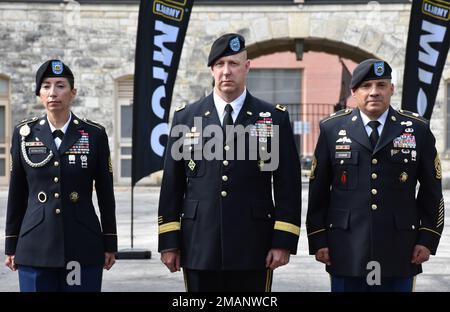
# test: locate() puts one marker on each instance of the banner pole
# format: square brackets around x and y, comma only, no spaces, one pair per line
[132,216]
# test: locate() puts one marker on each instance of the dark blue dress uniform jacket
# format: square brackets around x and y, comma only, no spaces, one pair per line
[221,214]
[60,224]
[363,205]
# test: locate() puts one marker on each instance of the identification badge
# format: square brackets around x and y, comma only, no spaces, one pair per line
[84,163]
[37,150]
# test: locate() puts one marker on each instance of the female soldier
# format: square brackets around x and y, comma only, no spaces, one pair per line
[53,235]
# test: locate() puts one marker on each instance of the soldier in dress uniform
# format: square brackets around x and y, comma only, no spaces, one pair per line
[217,217]
[53,235]
[364,220]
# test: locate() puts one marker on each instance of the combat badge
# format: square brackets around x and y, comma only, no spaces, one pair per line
[84,163]
[110,167]
[343,140]
[437,166]
[312,174]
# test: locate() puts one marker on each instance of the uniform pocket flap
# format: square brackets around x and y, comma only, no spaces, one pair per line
[405,222]
[189,209]
[32,220]
[338,218]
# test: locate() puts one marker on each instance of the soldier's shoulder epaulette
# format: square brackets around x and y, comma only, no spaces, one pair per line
[26,121]
[340,113]
[280,107]
[93,123]
[181,107]
[412,115]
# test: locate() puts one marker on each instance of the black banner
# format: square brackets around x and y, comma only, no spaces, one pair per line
[426,52]
[160,36]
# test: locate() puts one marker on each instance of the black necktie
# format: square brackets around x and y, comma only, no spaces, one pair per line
[374,135]
[227,120]
[58,134]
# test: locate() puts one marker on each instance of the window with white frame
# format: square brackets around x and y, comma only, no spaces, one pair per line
[4,129]
[124,91]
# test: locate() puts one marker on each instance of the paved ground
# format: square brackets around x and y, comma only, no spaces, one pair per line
[302,274]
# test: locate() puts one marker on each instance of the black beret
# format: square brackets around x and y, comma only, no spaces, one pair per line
[225,45]
[53,68]
[370,69]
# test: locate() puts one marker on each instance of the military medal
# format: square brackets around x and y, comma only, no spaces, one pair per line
[81,146]
[263,127]
[406,140]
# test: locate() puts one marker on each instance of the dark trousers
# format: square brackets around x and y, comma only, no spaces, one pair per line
[34,279]
[226,281]
[359,284]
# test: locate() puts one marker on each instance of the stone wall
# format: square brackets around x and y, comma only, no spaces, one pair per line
[98,42]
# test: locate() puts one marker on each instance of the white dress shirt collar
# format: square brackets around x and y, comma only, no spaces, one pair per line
[381,120]
[236,104]
[64,128]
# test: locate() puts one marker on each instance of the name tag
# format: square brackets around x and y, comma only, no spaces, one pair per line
[342,155]
[37,150]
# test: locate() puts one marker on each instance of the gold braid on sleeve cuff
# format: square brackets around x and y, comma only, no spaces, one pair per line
[287,227]
[169,227]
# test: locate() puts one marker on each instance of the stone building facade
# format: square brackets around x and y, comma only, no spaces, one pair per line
[97,39]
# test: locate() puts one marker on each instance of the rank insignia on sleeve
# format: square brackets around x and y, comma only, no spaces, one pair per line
[110,167]
[313,168]
[437,166]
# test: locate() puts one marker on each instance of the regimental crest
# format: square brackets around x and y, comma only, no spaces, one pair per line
[57,67]
[235,45]
[378,68]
